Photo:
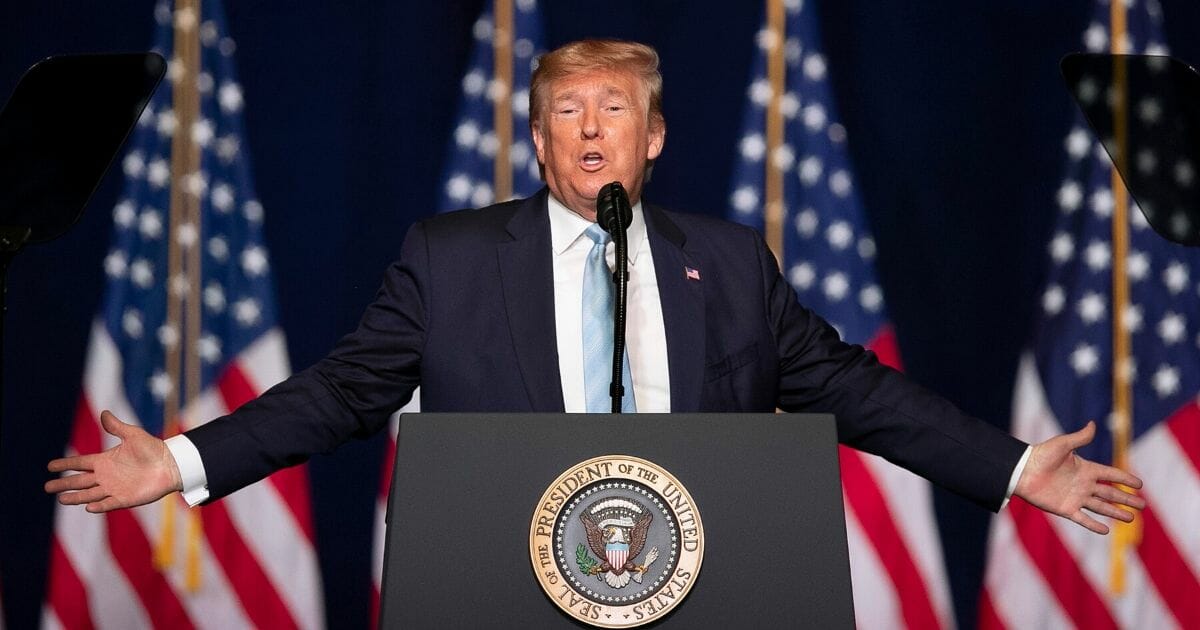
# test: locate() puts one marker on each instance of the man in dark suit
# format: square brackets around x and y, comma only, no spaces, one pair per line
[483,312]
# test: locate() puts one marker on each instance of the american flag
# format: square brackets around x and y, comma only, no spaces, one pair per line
[471,160]
[186,332]
[471,170]
[1047,572]
[827,255]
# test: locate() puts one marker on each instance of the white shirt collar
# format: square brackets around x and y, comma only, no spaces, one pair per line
[567,227]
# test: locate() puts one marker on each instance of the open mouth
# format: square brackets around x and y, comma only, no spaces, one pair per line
[592,161]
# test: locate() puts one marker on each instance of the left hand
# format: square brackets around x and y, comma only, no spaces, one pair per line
[1058,481]
[137,471]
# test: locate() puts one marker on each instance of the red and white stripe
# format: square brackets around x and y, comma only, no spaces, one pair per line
[896,566]
[1046,572]
[258,562]
[617,557]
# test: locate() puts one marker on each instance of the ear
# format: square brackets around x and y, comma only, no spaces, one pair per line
[658,136]
[539,142]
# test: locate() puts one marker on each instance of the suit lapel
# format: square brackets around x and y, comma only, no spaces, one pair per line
[527,278]
[683,309]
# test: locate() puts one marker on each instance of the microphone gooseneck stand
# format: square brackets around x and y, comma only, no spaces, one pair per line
[621,279]
[614,214]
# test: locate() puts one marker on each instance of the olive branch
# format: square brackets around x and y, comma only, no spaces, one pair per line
[587,564]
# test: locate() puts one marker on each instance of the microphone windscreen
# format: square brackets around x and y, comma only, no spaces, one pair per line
[612,206]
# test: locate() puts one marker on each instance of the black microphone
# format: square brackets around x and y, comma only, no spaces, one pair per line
[612,205]
[614,214]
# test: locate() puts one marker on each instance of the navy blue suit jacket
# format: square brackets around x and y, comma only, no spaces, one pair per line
[467,313]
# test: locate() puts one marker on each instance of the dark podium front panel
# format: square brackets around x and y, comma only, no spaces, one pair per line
[466,487]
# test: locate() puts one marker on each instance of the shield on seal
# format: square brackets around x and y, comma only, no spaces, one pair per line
[617,554]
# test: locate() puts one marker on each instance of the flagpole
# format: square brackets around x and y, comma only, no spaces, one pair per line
[502,60]
[1125,535]
[183,318]
[164,555]
[773,190]
[190,242]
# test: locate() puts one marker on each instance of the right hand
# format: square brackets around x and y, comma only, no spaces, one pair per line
[137,471]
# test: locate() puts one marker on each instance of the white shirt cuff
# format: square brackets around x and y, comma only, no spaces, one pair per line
[1016,476]
[191,469]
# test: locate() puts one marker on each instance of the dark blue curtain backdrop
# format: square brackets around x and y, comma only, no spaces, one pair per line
[956,118]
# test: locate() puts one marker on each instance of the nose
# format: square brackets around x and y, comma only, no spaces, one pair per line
[589,124]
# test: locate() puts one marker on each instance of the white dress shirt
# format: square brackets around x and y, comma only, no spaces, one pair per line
[646,336]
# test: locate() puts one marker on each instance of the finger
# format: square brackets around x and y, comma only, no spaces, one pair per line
[71,482]
[1116,475]
[106,505]
[1082,437]
[1108,509]
[75,462]
[1117,495]
[1088,522]
[83,496]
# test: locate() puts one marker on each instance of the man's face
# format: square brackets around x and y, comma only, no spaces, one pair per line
[595,131]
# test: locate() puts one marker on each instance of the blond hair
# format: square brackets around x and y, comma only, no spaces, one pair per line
[587,55]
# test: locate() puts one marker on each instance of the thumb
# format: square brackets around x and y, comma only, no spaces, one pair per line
[1082,437]
[113,426]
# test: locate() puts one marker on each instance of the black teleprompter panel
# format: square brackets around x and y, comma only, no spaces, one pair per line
[466,486]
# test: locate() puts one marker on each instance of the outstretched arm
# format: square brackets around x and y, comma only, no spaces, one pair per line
[137,471]
[1060,482]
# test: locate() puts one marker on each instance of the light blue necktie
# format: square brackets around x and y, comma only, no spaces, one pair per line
[598,304]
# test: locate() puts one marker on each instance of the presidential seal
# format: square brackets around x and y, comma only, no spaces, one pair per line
[616,541]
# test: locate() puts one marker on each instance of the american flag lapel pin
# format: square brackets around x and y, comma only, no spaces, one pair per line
[691,274]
